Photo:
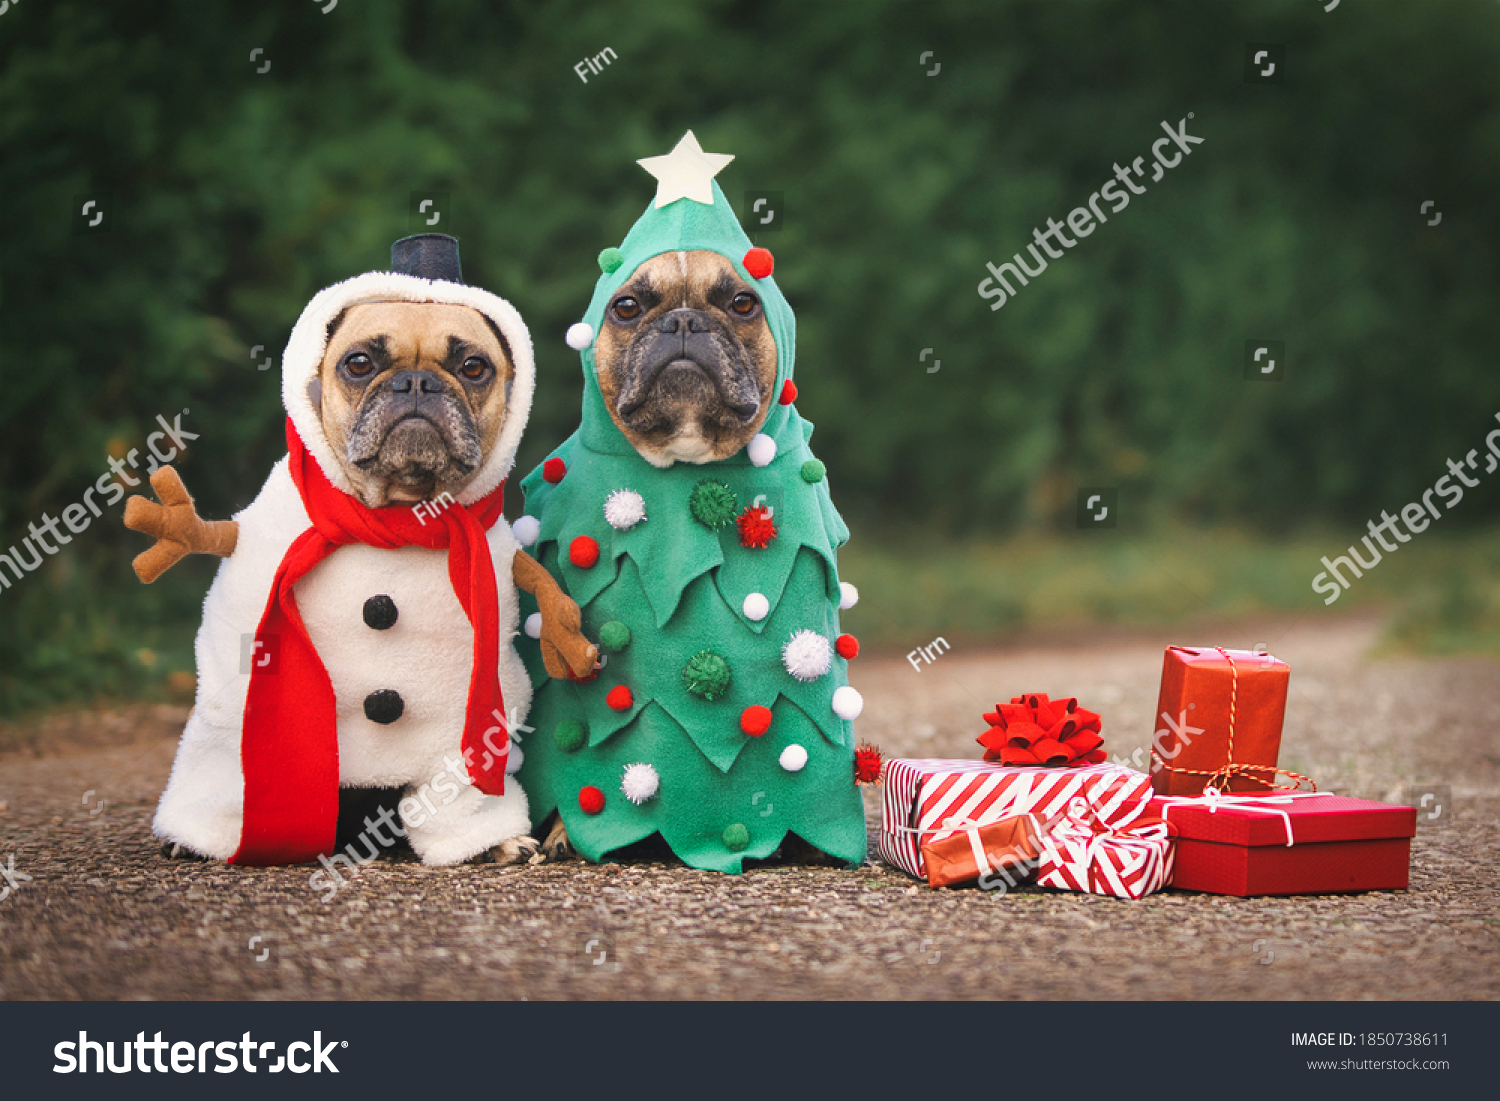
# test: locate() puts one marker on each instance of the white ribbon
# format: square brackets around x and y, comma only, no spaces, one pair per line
[1213,799]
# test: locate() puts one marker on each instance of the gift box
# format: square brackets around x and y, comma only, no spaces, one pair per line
[923,797]
[1220,713]
[1131,862]
[1010,847]
[1288,844]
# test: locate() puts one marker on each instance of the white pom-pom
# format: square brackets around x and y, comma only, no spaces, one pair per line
[848,595]
[757,607]
[762,449]
[534,625]
[526,529]
[793,758]
[580,336]
[807,655]
[847,703]
[640,783]
[624,509]
[514,759]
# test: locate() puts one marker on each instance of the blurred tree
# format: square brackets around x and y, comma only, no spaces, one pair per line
[232,194]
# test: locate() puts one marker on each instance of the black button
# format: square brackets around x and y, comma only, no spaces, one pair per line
[380,613]
[384,706]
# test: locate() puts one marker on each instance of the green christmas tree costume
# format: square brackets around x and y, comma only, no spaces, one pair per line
[663,739]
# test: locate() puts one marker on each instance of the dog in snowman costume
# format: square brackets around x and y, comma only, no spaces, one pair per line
[358,633]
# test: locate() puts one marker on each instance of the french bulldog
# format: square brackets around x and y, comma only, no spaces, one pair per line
[400,389]
[686,361]
[687,367]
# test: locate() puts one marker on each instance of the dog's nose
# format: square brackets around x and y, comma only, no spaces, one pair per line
[423,382]
[683,321]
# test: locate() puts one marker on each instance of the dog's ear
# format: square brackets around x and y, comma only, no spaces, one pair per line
[504,347]
[333,326]
[504,344]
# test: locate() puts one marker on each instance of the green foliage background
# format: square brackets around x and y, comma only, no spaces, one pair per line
[235,195]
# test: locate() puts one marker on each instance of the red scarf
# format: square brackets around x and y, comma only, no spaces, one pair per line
[289,746]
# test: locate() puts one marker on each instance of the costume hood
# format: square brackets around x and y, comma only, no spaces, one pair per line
[427,270]
[685,226]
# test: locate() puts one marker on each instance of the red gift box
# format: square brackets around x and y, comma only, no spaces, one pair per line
[924,799]
[1221,712]
[1292,843]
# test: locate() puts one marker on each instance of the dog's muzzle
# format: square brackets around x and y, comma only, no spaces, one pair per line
[689,338]
[419,419]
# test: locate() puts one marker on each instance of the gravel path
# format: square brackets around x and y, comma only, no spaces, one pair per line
[103,916]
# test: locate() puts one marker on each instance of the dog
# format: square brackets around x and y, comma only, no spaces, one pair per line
[362,566]
[687,364]
[686,360]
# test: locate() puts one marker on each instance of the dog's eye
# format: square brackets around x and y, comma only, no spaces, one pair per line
[358,364]
[474,368]
[744,304]
[627,308]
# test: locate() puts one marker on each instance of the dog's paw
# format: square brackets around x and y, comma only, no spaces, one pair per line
[514,850]
[557,846]
[173,851]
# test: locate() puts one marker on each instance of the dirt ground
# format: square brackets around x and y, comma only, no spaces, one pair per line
[103,916]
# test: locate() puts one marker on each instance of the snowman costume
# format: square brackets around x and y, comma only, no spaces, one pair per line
[422,667]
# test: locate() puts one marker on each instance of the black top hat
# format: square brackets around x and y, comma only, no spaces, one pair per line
[427,256]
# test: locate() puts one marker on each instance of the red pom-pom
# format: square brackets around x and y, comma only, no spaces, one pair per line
[759,262]
[553,471]
[583,552]
[846,646]
[590,800]
[757,529]
[755,720]
[788,392]
[866,764]
[619,698]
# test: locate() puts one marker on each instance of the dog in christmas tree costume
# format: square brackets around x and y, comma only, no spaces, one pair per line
[357,635]
[690,520]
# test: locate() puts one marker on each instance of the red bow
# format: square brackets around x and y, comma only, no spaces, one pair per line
[1033,730]
[289,740]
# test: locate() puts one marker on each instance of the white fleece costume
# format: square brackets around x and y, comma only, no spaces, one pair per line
[426,656]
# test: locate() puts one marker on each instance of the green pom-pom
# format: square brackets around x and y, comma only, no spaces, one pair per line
[736,838]
[610,260]
[706,674]
[713,504]
[813,471]
[614,636]
[569,735]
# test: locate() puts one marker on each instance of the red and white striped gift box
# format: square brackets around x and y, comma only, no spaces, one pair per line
[1132,862]
[921,795]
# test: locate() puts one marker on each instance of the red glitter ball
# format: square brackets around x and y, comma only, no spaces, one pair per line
[788,392]
[759,262]
[755,720]
[619,698]
[846,646]
[866,764]
[590,800]
[583,552]
[757,529]
[553,470]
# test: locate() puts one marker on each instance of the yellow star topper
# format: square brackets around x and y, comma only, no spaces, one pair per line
[687,172]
